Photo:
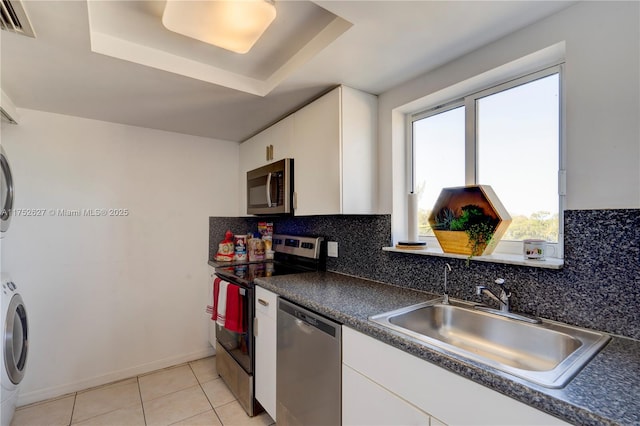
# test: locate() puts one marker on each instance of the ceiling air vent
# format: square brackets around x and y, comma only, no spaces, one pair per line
[5,116]
[8,111]
[13,17]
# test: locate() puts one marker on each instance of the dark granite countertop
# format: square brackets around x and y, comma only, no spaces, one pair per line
[605,391]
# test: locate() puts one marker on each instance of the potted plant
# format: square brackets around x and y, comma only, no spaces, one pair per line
[469,220]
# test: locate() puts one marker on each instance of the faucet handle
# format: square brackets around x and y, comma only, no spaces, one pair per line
[506,292]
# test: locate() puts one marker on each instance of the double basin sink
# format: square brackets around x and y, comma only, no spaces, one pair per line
[546,353]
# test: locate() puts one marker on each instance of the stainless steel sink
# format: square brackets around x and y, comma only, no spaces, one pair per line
[549,353]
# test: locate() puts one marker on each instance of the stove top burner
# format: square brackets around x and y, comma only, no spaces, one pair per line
[247,273]
[293,254]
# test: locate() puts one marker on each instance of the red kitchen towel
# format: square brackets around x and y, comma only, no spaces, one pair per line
[234,310]
[216,289]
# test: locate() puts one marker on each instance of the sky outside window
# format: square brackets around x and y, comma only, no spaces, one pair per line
[517,140]
[439,154]
[518,146]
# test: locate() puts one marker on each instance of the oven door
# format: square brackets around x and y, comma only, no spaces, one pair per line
[240,345]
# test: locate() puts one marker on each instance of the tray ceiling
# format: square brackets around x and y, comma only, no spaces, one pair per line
[157,79]
[133,31]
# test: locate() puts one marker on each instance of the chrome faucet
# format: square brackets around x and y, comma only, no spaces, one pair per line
[503,299]
[445,297]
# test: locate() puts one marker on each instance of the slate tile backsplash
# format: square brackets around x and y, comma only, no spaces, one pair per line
[599,286]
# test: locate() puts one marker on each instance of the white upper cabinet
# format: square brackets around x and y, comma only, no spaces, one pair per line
[333,142]
[335,154]
[272,144]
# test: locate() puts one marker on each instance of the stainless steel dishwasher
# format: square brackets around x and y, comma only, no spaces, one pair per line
[309,368]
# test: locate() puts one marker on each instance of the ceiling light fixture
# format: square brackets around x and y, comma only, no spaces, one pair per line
[235,25]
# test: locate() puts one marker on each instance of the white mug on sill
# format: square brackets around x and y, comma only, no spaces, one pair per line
[536,249]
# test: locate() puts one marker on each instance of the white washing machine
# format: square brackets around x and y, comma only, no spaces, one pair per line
[15,345]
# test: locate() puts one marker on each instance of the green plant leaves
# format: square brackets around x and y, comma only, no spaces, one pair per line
[478,226]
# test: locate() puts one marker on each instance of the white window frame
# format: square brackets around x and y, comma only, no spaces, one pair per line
[468,101]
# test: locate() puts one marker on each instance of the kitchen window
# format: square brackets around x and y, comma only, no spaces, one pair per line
[508,136]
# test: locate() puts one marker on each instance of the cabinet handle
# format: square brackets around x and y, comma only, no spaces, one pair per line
[269,152]
[255,326]
[263,302]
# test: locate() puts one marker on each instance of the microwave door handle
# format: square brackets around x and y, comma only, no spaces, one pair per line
[268,188]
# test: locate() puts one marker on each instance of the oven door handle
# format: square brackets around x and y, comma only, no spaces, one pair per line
[243,287]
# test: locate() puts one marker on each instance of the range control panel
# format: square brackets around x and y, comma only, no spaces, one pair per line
[297,245]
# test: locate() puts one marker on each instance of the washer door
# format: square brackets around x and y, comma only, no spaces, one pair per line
[16,342]
[6,192]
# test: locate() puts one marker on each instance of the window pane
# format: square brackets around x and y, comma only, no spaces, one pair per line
[439,158]
[518,149]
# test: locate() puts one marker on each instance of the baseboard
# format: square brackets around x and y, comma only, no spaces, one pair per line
[57,391]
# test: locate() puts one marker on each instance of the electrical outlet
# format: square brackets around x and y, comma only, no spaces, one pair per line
[332,248]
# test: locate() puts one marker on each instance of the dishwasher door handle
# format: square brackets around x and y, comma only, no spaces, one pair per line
[304,327]
[309,319]
[300,316]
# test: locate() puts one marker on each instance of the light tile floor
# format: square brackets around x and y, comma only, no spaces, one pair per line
[189,394]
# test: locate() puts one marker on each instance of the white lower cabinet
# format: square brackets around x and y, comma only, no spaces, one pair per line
[366,403]
[265,331]
[419,392]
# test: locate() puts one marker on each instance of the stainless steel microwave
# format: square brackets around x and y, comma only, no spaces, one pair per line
[270,188]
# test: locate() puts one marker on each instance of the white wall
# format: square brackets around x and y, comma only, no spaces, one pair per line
[111,297]
[602,51]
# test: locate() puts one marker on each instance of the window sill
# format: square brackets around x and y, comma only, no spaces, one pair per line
[508,259]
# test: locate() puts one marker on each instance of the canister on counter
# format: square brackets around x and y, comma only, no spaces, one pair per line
[240,253]
[256,249]
[226,249]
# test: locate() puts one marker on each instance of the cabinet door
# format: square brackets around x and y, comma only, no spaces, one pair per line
[433,389]
[280,137]
[253,151]
[364,402]
[265,339]
[317,179]
[252,156]
[359,151]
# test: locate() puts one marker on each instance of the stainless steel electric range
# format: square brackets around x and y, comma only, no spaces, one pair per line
[235,356]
